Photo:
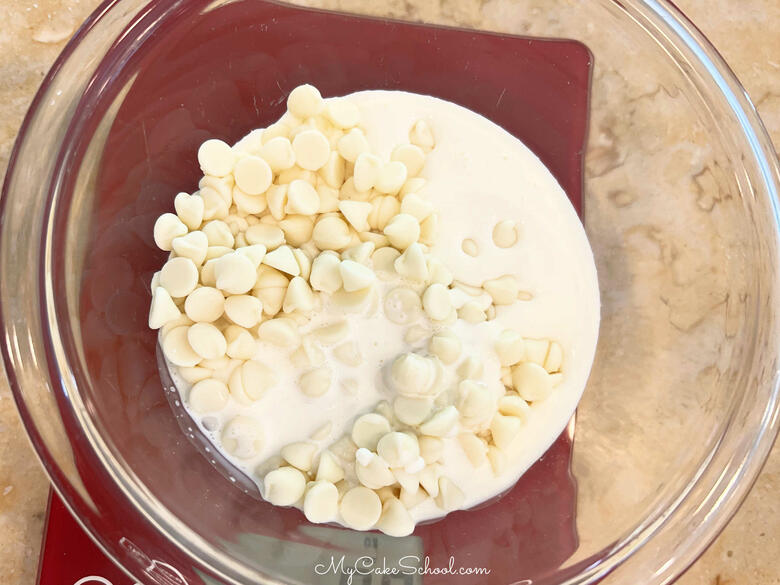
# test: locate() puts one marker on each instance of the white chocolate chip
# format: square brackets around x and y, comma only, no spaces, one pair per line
[536,350]
[412,374]
[412,185]
[333,333]
[421,135]
[504,429]
[179,276]
[470,247]
[207,396]
[250,143]
[240,343]
[190,209]
[497,459]
[429,479]
[412,499]
[411,156]
[316,382]
[218,234]
[505,234]
[366,173]
[411,410]
[342,113]
[252,204]
[304,263]
[470,369]
[255,252]
[194,374]
[214,206]
[278,153]
[216,158]
[171,325]
[476,403]
[416,333]
[411,264]
[244,310]
[360,253]
[163,310]
[383,209]
[429,228]
[368,429]
[267,235]
[372,471]
[408,481]
[531,381]
[416,206]
[441,423]
[437,304]
[329,468]
[383,261]
[326,273]
[242,437]
[308,355]
[353,144]
[283,260]
[512,405]
[554,359]
[509,347]
[450,496]
[355,276]
[302,198]
[503,290]
[193,245]
[333,171]
[356,213]
[348,354]
[235,273]
[305,101]
[206,340]
[472,312]
[167,227]
[431,449]
[402,231]
[398,449]
[321,502]
[276,199]
[204,304]
[360,508]
[272,299]
[474,448]
[331,233]
[391,177]
[311,149]
[253,175]
[280,331]
[250,381]
[445,345]
[214,252]
[299,296]
[395,519]
[300,454]
[284,486]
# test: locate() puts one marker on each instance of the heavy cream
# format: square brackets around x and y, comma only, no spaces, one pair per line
[506,260]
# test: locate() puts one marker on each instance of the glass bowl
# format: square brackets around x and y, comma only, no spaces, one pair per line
[680,200]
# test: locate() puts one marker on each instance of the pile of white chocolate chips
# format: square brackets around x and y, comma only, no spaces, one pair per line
[292,228]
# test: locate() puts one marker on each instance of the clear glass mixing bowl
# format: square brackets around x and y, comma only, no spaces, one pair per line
[681,186]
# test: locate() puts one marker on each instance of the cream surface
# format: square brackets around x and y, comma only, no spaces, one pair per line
[477,175]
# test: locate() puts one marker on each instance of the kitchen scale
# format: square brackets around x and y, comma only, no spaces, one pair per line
[537,89]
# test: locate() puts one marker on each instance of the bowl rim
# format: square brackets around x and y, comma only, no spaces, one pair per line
[665,14]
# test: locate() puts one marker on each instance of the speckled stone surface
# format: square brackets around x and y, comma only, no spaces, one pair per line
[33,33]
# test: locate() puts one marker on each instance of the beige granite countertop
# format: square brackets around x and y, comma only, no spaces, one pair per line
[33,33]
